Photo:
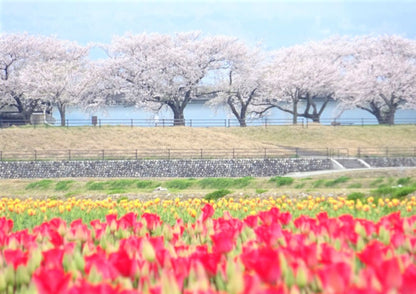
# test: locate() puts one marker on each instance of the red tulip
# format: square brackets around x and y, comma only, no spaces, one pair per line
[15,257]
[336,277]
[264,261]
[51,281]
[53,258]
[409,280]
[152,220]
[207,212]
[223,242]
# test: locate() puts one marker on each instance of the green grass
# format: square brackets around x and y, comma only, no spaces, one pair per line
[64,185]
[404,181]
[179,184]
[355,196]
[217,194]
[41,185]
[337,181]
[282,181]
[355,186]
[318,183]
[224,183]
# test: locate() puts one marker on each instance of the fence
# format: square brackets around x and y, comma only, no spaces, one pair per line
[235,153]
[98,122]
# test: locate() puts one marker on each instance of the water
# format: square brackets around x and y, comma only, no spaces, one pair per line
[199,112]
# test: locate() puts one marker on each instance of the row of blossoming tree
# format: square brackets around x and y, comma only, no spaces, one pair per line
[152,71]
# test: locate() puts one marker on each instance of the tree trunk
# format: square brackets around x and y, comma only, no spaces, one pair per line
[62,114]
[178,117]
[386,117]
[295,112]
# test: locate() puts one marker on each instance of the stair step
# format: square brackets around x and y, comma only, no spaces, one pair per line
[350,163]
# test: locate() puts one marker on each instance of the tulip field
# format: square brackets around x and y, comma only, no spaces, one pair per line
[230,245]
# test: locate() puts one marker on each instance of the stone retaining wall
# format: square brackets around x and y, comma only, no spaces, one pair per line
[161,168]
[391,161]
[179,167]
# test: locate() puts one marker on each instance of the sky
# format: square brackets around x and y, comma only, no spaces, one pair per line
[273,24]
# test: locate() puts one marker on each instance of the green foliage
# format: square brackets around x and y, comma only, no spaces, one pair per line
[318,183]
[180,184]
[376,182]
[261,191]
[119,184]
[403,191]
[42,184]
[63,185]
[95,186]
[300,186]
[122,198]
[224,183]
[337,181]
[355,196]
[282,181]
[217,194]
[146,184]
[355,186]
[404,181]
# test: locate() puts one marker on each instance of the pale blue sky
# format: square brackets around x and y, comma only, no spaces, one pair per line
[273,23]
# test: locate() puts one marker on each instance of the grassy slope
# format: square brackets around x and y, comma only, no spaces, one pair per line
[358,181]
[315,136]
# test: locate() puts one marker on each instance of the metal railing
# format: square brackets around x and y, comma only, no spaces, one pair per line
[229,122]
[232,153]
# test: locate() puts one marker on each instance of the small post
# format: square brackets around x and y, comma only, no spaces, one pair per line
[163,122]
[1,155]
[36,156]
[131,123]
[99,123]
[136,155]
[265,151]
[67,123]
[228,122]
[233,153]
[327,152]
[387,151]
[297,152]
[169,154]
[225,122]
[201,153]
[69,154]
[102,157]
[190,123]
[358,152]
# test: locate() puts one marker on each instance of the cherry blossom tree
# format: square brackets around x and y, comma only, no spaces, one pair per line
[16,52]
[241,82]
[302,79]
[154,70]
[379,76]
[58,77]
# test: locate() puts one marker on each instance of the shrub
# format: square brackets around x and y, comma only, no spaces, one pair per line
[63,185]
[145,184]
[404,181]
[282,181]
[355,196]
[318,183]
[217,194]
[42,184]
[180,184]
[223,183]
[376,182]
[402,192]
[355,186]
[95,186]
[337,181]
[260,191]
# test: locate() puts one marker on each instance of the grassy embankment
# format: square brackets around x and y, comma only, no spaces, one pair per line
[314,136]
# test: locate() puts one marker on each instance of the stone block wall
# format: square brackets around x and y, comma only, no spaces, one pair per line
[161,168]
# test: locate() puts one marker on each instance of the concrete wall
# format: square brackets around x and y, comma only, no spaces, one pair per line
[391,161]
[161,168]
